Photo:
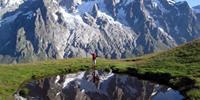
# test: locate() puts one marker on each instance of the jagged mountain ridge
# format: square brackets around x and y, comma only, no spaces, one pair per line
[41,29]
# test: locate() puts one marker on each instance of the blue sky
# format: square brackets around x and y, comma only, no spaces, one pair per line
[192,3]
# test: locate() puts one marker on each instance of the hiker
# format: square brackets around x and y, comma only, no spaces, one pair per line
[94,56]
[95,78]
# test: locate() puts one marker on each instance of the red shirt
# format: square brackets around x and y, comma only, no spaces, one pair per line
[94,56]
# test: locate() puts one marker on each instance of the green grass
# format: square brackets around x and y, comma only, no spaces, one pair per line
[11,76]
[177,68]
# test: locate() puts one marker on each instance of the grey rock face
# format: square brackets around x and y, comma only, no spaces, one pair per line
[79,86]
[53,29]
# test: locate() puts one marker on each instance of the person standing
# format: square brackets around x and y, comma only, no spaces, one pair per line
[94,56]
[95,77]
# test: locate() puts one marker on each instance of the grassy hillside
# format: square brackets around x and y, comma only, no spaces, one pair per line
[181,64]
[178,68]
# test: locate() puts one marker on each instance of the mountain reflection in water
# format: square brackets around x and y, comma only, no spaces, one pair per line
[79,86]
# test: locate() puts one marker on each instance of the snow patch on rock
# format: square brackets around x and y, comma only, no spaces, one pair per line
[109,18]
[165,34]
[172,2]
[72,77]
[71,18]
[57,79]
[169,95]
[9,3]
[55,16]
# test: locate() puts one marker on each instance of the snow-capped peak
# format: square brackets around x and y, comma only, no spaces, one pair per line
[9,3]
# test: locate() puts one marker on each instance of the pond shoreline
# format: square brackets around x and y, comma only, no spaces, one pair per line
[182,84]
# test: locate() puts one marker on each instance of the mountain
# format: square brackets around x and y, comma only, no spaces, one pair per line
[196,9]
[32,30]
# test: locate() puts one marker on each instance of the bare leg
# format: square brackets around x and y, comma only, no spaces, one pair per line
[94,73]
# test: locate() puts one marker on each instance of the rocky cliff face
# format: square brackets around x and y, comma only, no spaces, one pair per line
[42,29]
[79,86]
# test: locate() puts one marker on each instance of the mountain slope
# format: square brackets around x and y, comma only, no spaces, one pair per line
[54,29]
[178,68]
[196,9]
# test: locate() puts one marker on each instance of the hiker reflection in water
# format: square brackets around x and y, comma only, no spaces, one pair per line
[95,75]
